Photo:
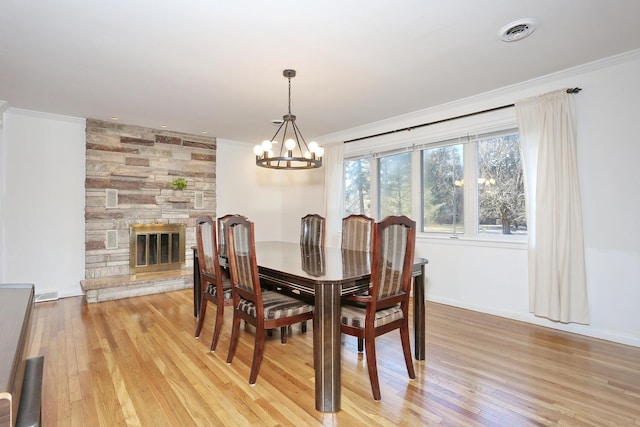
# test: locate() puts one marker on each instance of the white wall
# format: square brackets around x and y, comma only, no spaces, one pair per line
[301,195]
[3,107]
[492,278]
[609,153]
[274,199]
[242,188]
[43,217]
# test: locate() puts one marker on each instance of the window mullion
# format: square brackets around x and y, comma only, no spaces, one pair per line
[471,189]
[375,188]
[416,189]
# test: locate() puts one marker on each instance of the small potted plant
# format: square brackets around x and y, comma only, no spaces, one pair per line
[178,185]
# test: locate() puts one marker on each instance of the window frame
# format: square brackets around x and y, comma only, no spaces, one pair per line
[468,135]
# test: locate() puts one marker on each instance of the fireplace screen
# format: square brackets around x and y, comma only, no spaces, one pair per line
[156,247]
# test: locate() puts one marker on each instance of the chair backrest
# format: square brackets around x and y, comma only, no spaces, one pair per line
[357,232]
[312,230]
[394,241]
[242,259]
[207,246]
[222,234]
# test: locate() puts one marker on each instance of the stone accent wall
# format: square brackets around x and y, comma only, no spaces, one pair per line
[139,163]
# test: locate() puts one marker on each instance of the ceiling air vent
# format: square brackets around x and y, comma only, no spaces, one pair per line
[517,30]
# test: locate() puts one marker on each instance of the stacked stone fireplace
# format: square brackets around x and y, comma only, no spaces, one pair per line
[139,231]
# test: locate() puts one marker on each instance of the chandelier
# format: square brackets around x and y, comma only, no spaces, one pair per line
[294,153]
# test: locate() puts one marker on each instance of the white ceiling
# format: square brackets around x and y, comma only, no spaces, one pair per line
[214,66]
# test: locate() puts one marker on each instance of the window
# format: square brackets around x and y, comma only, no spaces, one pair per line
[493,166]
[444,203]
[501,199]
[394,182]
[357,187]
[443,198]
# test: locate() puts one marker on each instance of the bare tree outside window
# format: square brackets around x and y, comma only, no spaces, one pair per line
[357,187]
[442,171]
[395,185]
[501,199]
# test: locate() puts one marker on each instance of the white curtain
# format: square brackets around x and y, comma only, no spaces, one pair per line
[557,274]
[333,191]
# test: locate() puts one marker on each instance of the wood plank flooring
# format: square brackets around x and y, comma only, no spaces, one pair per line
[135,362]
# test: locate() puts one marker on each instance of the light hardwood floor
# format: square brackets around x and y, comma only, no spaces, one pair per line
[135,362]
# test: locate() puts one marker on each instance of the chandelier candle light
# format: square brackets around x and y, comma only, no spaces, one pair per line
[295,153]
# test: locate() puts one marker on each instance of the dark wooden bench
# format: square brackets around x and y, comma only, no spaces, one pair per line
[20,377]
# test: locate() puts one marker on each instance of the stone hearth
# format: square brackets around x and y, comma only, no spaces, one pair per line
[117,287]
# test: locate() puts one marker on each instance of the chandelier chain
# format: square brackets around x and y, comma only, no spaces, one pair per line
[289,95]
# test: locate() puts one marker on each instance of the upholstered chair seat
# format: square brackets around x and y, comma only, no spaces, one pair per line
[275,306]
[355,316]
[226,287]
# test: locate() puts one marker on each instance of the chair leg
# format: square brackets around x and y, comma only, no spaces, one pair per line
[372,365]
[406,349]
[284,331]
[218,327]
[235,332]
[303,326]
[258,352]
[203,311]
[360,345]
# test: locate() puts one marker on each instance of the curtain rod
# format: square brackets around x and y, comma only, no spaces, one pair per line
[409,128]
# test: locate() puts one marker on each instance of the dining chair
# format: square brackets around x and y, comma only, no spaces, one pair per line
[264,309]
[386,307]
[214,286]
[357,232]
[311,234]
[222,237]
[357,236]
[312,230]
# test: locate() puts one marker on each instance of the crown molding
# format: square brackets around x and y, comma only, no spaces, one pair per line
[503,95]
[3,107]
[47,116]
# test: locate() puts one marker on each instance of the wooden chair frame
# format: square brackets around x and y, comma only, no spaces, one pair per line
[222,234]
[210,273]
[374,303]
[364,226]
[252,292]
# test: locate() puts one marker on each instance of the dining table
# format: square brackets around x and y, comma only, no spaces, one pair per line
[327,274]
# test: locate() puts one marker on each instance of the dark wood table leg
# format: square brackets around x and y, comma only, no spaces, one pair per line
[197,290]
[326,347]
[419,315]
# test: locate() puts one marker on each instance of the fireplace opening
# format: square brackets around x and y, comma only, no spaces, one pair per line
[156,247]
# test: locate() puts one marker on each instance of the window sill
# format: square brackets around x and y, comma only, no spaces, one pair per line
[517,243]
